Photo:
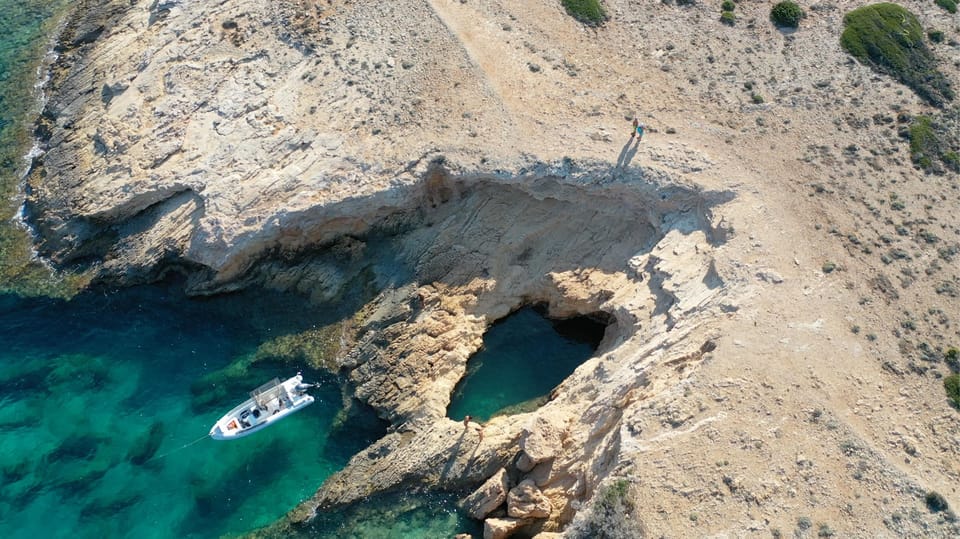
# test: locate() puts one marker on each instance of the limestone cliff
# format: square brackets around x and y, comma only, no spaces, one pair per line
[467,158]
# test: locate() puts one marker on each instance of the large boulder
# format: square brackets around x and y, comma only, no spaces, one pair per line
[489,496]
[542,437]
[524,463]
[526,501]
[500,528]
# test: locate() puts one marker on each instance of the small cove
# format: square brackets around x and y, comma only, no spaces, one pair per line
[524,357]
[98,393]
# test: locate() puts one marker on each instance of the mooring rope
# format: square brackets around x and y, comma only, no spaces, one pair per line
[184,446]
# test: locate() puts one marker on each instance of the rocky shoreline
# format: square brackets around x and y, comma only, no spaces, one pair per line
[411,146]
[475,245]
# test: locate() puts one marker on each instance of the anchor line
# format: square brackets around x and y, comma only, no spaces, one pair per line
[184,446]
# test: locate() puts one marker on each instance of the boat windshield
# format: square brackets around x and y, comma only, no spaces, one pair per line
[267,392]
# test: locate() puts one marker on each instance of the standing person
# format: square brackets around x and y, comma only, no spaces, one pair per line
[466,422]
[637,130]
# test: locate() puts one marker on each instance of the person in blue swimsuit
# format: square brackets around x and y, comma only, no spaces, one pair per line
[637,130]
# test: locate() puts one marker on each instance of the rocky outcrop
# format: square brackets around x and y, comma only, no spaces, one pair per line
[413,348]
[489,496]
[216,138]
[198,144]
[500,528]
[525,501]
[276,119]
[540,441]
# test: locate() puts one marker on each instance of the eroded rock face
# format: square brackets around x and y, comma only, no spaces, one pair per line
[542,439]
[214,139]
[489,496]
[526,501]
[407,368]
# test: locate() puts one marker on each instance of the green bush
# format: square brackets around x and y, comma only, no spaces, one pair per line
[586,11]
[923,141]
[932,140]
[952,385]
[935,35]
[952,160]
[888,38]
[952,355]
[728,18]
[936,502]
[787,14]
[727,5]
[612,514]
[949,5]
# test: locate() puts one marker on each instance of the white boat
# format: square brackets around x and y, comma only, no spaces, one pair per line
[267,404]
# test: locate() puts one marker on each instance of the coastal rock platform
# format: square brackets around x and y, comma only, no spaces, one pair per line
[464,159]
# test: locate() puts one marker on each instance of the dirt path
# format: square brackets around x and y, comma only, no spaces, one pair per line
[490,55]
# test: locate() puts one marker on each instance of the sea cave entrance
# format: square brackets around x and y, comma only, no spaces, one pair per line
[524,356]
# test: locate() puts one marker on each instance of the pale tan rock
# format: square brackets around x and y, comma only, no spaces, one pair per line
[500,528]
[524,462]
[541,438]
[526,501]
[489,496]
[547,472]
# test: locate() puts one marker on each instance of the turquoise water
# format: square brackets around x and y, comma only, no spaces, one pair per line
[99,394]
[396,516]
[523,358]
[95,391]
[106,399]
[25,35]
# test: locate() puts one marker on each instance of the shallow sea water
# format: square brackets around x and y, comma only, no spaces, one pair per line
[26,30]
[98,395]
